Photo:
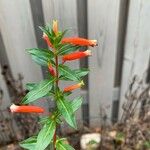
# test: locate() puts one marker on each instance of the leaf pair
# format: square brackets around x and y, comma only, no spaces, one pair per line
[66,72]
[67,48]
[43,139]
[79,73]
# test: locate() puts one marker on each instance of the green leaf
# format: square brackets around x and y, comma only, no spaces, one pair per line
[31,86]
[67,94]
[61,145]
[64,32]
[78,73]
[41,56]
[67,73]
[67,48]
[41,90]
[65,109]
[45,135]
[76,103]
[81,72]
[147,144]
[59,37]
[29,143]
[43,120]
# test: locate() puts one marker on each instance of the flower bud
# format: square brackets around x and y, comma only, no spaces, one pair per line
[26,109]
[79,41]
[73,87]
[76,55]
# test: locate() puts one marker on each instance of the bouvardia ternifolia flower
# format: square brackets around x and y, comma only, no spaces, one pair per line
[51,69]
[79,41]
[73,87]
[76,55]
[45,37]
[26,109]
[73,41]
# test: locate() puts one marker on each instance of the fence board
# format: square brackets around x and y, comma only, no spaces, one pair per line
[5,99]
[66,13]
[18,34]
[103,22]
[137,47]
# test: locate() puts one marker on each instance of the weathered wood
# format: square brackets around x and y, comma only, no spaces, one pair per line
[82,31]
[38,20]
[137,46]
[66,13]
[5,97]
[103,22]
[18,34]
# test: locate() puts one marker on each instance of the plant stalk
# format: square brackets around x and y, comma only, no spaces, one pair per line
[57,76]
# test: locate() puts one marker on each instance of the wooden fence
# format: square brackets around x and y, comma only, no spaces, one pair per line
[120,26]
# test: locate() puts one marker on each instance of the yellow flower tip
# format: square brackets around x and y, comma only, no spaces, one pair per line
[55,22]
[55,26]
[88,52]
[82,83]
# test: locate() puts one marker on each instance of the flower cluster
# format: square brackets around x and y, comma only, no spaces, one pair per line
[64,49]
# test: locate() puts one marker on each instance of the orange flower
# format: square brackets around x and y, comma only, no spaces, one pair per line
[76,55]
[55,26]
[73,87]
[79,41]
[26,109]
[45,37]
[51,69]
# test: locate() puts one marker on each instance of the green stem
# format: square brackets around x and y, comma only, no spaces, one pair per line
[57,76]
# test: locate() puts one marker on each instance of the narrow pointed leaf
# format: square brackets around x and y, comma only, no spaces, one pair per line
[78,73]
[31,86]
[76,103]
[67,94]
[43,120]
[45,135]
[29,143]
[65,109]
[67,48]
[41,90]
[67,73]
[81,72]
[61,145]
[41,56]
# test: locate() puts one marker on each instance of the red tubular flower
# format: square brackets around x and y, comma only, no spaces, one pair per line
[45,37]
[55,26]
[73,87]
[79,41]
[76,55]
[26,109]
[51,69]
